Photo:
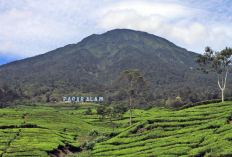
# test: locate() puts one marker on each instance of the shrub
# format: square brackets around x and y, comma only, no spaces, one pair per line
[84,144]
[174,103]
[90,145]
[94,133]
[100,139]
[89,111]
[105,134]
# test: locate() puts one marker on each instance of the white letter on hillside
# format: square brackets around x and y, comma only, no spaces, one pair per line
[95,99]
[100,98]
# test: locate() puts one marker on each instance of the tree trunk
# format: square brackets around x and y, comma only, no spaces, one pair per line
[130,113]
[112,123]
[223,95]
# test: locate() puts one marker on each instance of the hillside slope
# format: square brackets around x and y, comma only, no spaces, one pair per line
[199,131]
[95,63]
[100,55]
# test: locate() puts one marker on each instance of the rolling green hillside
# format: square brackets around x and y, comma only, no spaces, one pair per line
[199,131]
[48,129]
[45,129]
[41,132]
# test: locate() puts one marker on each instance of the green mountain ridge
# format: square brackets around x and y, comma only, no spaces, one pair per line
[93,64]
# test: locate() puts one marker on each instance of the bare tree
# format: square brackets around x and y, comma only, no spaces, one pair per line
[218,63]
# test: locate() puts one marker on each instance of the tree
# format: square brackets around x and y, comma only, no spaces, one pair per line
[174,103]
[193,98]
[89,111]
[169,103]
[48,94]
[5,87]
[120,109]
[111,114]
[218,63]
[151,97]
[132,83]
[177,102]
[101,110]
[185,93]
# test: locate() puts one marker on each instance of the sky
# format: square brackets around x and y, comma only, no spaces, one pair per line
[32,27]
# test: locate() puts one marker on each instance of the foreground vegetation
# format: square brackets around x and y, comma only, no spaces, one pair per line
[198,131]
[36,132]
[45,129]
[48,129]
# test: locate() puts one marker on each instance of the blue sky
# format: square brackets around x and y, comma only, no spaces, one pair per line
[32,27]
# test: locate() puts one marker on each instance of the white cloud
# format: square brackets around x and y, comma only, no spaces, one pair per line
[143,8]
[220,40]
[6,46]
[187,27]
[156,24]
[195,34]
[35,27]
[32,27]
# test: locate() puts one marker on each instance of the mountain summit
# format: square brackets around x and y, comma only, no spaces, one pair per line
[97,61]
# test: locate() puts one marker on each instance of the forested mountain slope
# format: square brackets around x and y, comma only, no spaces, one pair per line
[92,66]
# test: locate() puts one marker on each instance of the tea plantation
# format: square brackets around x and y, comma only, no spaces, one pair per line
[36,132]
[39,130]
[198,131]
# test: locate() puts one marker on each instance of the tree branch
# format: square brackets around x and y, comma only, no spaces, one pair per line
[226,78]
[219,83]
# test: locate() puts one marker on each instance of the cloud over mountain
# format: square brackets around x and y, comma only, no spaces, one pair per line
[34,27]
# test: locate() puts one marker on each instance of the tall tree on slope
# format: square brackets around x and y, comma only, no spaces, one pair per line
[132,83]
[218,63]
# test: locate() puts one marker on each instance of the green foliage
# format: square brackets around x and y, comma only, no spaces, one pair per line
[105,134]
[190,132]
[177,102]
[42,132]
[120,109]
[94,133]
[88,145]
[110,112]
[82,154]
[84,144]
[218,63]
[204,129]
[101,110]
[100,139]
[133,84]
[28,153]
[204,102]
[89,111]
[91,67]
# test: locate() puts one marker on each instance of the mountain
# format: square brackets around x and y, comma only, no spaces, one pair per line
[93,64]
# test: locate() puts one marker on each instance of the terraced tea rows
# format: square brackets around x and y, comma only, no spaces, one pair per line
[198,131]
[36,132]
